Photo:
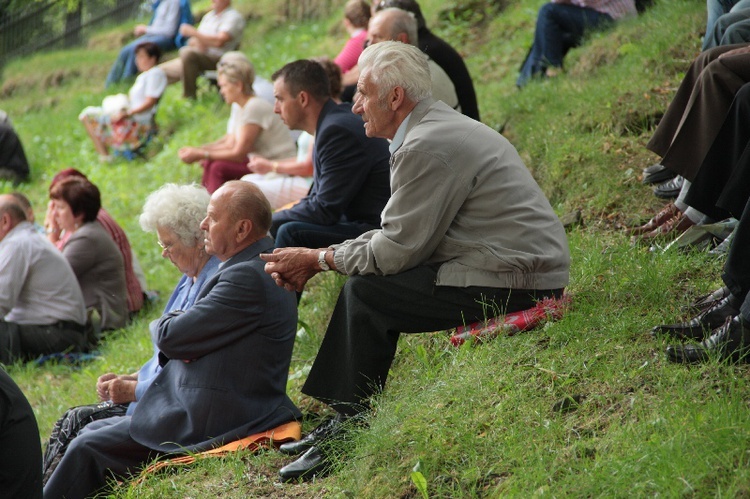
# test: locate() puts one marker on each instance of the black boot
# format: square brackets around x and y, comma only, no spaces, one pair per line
[729,342]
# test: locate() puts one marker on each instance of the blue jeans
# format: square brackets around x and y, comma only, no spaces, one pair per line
[559,27]
[716,9]
[124,67]
[730,28]
[309,235]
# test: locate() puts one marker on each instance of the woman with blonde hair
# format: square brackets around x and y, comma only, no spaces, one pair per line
[253,127]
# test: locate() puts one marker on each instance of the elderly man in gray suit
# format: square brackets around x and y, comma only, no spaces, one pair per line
[467,234]
[210,391]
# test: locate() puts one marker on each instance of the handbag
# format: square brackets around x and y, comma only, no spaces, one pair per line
[69,425]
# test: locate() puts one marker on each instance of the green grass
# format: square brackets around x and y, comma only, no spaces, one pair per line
[475,421]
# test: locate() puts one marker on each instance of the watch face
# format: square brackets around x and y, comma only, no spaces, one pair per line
[322,261]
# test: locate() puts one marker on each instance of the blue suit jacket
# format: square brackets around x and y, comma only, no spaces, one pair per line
[228,364]
[351,180]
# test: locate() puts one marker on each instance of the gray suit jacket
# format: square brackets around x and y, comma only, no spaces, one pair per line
[228,364]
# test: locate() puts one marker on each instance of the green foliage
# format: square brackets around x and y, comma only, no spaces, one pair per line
[419,480]
[72,5]
[585,407]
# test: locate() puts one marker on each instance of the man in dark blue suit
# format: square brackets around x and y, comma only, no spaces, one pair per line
[351,171]
[226,360]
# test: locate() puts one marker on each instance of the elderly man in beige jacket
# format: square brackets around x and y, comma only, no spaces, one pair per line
[466,235]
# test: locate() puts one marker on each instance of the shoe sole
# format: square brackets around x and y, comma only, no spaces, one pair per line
[659,177]
[666,194]
[319,471]
[736,357]
[683,334]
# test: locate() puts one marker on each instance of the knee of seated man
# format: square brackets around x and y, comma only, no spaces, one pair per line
[545,9]
[187,53]
[735,33]
[80,445]
[286,236]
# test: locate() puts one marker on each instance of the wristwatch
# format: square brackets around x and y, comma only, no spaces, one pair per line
[322,260]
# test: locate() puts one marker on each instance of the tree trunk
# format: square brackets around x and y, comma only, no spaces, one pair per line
[73,26]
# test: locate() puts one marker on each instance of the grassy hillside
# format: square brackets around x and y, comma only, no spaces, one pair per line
[474,421]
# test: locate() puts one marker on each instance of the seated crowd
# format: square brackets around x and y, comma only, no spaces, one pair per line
[350,196]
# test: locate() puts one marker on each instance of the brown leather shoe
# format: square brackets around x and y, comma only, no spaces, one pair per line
[666,213]
[673,227]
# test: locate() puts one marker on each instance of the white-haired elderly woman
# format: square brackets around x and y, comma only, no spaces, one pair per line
[174,213]
[253,127]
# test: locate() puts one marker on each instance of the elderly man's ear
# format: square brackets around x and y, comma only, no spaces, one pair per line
[396,98]
[6,221]
[244,229]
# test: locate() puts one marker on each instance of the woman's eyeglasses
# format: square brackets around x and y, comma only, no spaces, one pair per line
[165,248]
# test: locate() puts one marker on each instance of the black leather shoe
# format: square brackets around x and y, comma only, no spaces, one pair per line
[325,430]
[729,342]
[704,302]
[696,328]
[670,188]
[311,464]
[657,173]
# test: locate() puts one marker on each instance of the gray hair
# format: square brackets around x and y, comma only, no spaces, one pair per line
[237,68]
[401,21]
[179,208]
[395,64]
[9,205]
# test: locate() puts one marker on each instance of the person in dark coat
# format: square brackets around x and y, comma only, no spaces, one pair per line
[20,453]
[442,53]
[13,163]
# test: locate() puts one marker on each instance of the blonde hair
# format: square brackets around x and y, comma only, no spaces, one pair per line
[237,68]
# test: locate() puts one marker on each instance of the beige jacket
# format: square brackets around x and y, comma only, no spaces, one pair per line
[462,199]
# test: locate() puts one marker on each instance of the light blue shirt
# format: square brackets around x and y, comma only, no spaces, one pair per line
[166,19]
[400,135]
[182,298]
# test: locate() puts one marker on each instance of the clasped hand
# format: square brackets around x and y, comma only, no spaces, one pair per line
[291,268]
[259,164]
[118,389]
[190,154]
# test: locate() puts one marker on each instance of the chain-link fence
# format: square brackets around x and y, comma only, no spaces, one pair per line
[301,10]
[47,24]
